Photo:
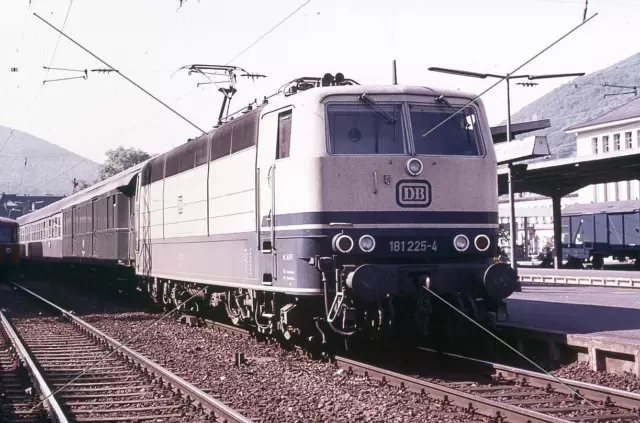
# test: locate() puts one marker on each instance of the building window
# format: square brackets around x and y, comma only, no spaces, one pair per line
[616,142]
[627,141]
[594,145]
[605,144]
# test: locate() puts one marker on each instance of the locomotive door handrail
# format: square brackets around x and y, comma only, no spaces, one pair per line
[271,180]
[257,207]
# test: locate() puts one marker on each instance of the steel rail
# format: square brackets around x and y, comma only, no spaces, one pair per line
[55,411]
[611,396]
[199,397]
[464,400]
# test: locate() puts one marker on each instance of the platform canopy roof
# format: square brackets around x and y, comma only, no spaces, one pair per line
[499,133]
[564,176]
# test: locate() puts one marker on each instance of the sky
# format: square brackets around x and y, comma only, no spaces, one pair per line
[148,40]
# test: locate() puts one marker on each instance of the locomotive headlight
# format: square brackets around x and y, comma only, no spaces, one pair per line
[367,243]
[461,242]
[482,242]
[343,243]
[8,251]
[414,166]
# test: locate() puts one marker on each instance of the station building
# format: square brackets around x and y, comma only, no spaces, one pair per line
[618,130]
[613,133]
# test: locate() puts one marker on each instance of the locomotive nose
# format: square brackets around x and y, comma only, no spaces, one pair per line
[501,280]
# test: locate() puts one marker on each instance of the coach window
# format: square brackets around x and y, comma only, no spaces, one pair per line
[109,213]
[284,135]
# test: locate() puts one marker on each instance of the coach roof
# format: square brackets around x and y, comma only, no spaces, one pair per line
[119,180]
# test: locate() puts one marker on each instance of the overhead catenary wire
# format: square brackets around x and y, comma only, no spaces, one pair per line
[507,345]
[509,74]
[184,95]
[261,37]
[122,75]
[55,50]
[40,89]
[269,31]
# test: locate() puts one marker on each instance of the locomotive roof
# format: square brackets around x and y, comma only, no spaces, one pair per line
[318,94]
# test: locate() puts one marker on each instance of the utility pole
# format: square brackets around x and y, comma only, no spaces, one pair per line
[507,78]
[394,72]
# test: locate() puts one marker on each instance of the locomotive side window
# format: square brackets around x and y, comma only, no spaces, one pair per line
[284,135]
[221,142]
[245,131]
[202,149]
[172,163]
[360,129]
[187,156]
[456,137]
[157,169]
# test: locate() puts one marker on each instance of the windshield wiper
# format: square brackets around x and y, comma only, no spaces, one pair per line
[442,99]
[379,111]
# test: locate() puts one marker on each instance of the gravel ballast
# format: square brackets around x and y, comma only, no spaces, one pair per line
[275,384]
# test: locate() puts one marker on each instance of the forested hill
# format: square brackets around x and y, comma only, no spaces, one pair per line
[32,166]
[579,101]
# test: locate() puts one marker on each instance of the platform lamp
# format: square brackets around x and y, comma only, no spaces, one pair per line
[507,78]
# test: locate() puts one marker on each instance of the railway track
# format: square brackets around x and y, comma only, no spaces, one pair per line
[124,387]
[505,393]
[21,384]
[497,392]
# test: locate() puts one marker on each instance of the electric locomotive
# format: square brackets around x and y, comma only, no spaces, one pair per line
[330,205]
[333,208]
[9,246]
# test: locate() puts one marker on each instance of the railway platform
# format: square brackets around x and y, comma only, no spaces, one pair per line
[600,325]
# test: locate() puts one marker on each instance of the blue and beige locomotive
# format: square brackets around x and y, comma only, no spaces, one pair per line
[326,210]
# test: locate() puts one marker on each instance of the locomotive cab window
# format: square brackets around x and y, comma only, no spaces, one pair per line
[357,128]
[458,136]
[284,135]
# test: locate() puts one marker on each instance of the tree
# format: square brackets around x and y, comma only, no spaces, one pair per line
[79,185]
[120,159]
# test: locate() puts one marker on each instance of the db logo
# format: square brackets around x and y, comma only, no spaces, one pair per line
[412,193]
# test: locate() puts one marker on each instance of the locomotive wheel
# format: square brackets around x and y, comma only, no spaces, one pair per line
[597,262]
